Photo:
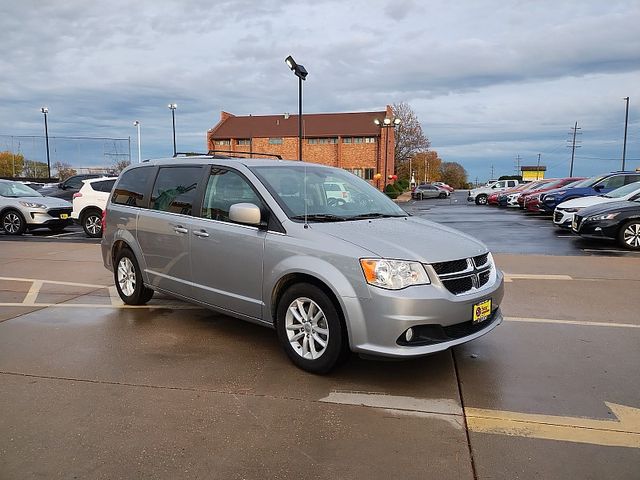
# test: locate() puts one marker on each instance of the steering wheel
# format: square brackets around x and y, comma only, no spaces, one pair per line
[335,202]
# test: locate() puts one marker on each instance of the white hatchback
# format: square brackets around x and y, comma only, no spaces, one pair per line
[89,202]
[563,214]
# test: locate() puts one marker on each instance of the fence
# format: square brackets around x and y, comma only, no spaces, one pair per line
[83,154]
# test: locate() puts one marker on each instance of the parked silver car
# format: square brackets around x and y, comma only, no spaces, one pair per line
[260,240]
[22,208]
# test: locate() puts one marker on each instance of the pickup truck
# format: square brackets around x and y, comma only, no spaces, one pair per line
[480,194]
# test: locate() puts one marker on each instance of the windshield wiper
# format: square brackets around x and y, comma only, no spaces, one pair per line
[320,217]
[374,215]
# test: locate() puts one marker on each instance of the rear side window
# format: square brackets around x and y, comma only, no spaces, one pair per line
[175,189]
[631,179]
[103,186]
[131,189]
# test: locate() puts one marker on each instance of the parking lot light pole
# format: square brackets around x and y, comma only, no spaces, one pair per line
[626,122]
[172,107]
[137,125]
[301,73]
[45,112]
[386,123]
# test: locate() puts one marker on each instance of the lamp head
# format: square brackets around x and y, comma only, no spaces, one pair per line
[44,110]
[377,122]
[387,121]
[173,106]
[397,121]
[136,123]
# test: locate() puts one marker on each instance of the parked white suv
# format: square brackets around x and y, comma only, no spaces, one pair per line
[480,194]
[89,202]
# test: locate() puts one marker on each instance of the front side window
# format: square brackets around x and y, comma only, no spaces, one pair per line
[131,189]
[175,189]
[612,182]
[225,188]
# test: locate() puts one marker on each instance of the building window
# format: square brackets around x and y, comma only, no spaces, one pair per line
[358,171]
[244,141]
[275,141]
[369,139]
[359,140]
[324,140]
[226,142]
[368,173]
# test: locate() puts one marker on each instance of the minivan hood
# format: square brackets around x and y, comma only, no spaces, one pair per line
[405,238]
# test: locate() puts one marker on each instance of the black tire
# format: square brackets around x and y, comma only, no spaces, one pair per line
[337,345]
[13,223]
[442,195]
[481,199]
[629,235]
[91,221]
[139,294]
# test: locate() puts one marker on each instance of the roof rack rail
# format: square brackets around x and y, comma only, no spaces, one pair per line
[235,153]
[188,154]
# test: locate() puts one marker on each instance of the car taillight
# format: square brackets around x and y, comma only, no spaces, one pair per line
[103,221]
[345,194]
[77,195]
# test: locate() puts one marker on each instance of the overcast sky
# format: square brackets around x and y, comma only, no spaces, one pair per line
[489,80]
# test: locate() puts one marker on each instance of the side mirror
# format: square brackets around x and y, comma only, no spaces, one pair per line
[61,185]
[597,188]
[246,213]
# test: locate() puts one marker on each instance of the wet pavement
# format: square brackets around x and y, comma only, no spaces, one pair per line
[92,389]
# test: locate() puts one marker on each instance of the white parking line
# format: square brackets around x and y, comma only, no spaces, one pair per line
[62,234]
[55,282]
[510,277]
[176,306]
[570,322]
[32,294]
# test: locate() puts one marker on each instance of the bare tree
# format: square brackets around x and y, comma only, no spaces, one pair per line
[120,165]
[410,139]
[453,174]
[64,170]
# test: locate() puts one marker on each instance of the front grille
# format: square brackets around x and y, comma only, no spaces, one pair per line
[458,285]
[433,334]
[445,268]
[55,212]
[466,274]
[557,216]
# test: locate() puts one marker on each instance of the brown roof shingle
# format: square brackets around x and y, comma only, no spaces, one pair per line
[314,125]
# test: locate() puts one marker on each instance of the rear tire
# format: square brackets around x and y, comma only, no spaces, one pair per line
[128,278]
[13,222]
[442,195]
[481,200]
[92,223]
[629,235]
[310,329]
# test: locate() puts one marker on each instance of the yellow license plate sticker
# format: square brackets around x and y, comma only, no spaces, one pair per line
[64,216]
[481,311]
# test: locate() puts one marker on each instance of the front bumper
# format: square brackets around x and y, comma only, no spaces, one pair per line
[377,323]
[563,219]
[52,217]
[599,229]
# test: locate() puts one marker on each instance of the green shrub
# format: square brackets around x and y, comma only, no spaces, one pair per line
[403,183]
[390,191]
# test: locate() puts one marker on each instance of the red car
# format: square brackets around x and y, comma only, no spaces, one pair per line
[531,201]
[444,185]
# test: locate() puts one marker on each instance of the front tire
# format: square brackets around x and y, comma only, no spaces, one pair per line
[92,223]
[13,222]
[443,195]
[629,235]
[128,279]
[481,200]
[310,329]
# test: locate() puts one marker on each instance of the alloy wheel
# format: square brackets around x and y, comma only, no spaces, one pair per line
[631,235]
[93,224]
[126,276]
[307,328]
[12,223]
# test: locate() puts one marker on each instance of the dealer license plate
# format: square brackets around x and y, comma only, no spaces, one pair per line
[481,311]
[64,216]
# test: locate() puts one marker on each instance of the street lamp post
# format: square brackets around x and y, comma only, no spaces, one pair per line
[387,123]
[301,73]
[45,112]
[626,122]
[137,125]
[172,107]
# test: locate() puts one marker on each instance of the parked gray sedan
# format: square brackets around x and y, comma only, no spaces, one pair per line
[262,241]
[22,208]
[429,191]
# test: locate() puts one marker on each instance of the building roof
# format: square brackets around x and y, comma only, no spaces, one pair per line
[314,125]
[533,168]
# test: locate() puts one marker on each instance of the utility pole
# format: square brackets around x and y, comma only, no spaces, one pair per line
[573,146]
[626,122]
[538,167]
[518,164]
[492,173]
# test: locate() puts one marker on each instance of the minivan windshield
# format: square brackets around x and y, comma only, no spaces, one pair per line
[17,190]
[330,194]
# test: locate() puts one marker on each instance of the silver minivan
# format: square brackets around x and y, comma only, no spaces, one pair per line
[264,241]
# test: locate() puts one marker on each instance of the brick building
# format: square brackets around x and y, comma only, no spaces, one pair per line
[346,140]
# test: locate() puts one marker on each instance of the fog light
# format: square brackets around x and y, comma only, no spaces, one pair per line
[409,335]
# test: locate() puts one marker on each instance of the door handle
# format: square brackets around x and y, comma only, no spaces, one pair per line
[180,229]
[201,233]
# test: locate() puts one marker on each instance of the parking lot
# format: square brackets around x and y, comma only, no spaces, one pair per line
[91,388]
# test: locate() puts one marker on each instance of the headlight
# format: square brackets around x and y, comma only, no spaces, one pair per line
[393,274]
[550,198]
[571,210]
[606,216]
[32,205]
